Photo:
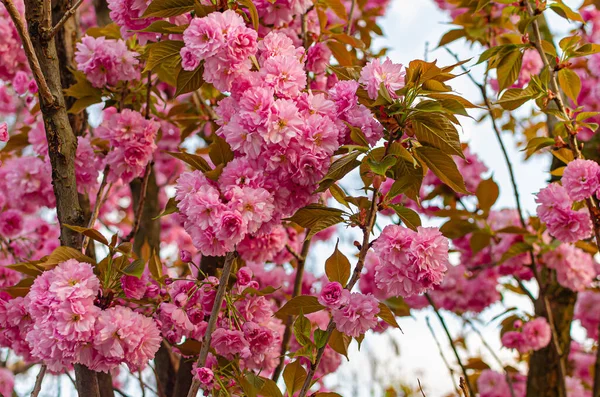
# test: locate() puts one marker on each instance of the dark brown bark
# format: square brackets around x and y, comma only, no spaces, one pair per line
[544,371]
[102,12]
[184,377]
[149,231]
[62,145]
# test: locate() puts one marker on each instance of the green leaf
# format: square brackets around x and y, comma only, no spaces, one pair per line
[155,266]
[164,27]
[89,232]
[338,194]
[294,376]
[339,169]
[451,36]
[135,268]
[189,81]
[570,83]
[269,388]
[253,12]
[302,328]
[337,267]
[337,7]
[564,11]
[219,151]
[479,240]
[195,161]
[437,131]
[487,194]
[339,342]
[386,315]
[170,208]
[509,68]
[536,144]
[443,167]
[300,304]
[381,167]
[320,338]
[28,268]
[168,8]
[514,98]
[167,51]
[515,250]
[62,254]
[317,217]
[398,306]
[21,289]
[457,228]
[410,218]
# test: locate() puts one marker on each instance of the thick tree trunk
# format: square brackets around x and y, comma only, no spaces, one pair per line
[102,12]
[62,146]
[149,231]
[544,371]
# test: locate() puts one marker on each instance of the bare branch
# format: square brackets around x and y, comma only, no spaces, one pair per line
[70,12]
[38,381]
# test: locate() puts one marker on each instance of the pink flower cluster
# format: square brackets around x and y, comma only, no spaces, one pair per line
[355,314]
[223,42]
[575,269]
[26,184]
[587,311]
[132,138]
[127,14]
[533,335]
[410,262]
[493,384]
[11,51]
[563,222]
[62,325]
[106,61]
[386,74]
[581,179]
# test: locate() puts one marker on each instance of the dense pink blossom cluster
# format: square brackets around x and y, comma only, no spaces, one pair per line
[411,263]
[127,14]
[587,311]
[533,335]
[555,210]
[62,326]
[106,61]
[575,269]
[11,51]
[132,139]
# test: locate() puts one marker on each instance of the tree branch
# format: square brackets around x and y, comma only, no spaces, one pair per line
[439,346]
[214,315]
[38,381]
[462,367]
[287,334]
[70,12]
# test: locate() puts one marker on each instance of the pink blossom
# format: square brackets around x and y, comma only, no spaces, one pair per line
[7,382]
[4,132]
[203,375]
[410,262]
[358,316]
[376,73]
[537,333]
[581,179]
[106,61]
[333,295]
[128,15]
[228,343]
[492,384]
[575,269]
[11,223]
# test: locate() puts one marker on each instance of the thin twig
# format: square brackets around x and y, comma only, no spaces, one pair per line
[212,321]
[287,334]
[464,386]
[421,387]
[141,383]
[34,63]
[493,353]
[462,367]
[37,388]
[97,205]
[364,248]
[68,14]
[137,217]
[439,346]
[349,26]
